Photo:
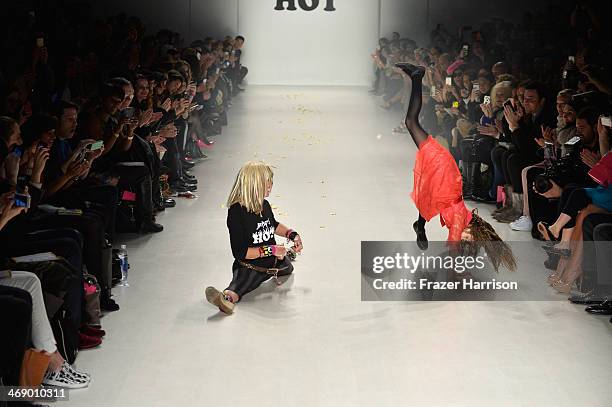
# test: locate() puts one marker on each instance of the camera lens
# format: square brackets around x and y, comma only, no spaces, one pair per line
[542,184]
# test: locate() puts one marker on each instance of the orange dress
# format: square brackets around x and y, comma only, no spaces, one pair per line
[438,188]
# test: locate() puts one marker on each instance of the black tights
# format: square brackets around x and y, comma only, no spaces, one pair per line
[419,135]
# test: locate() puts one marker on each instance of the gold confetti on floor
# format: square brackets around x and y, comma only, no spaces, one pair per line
[333,213]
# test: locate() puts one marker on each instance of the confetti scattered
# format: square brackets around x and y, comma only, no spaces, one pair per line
[322,227]
[222,206]
[379,136]
[332,213]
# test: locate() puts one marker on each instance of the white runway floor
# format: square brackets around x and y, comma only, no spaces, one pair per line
[312,341]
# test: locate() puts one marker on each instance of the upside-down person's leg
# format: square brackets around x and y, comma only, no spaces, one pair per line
[419,228]
[415,73]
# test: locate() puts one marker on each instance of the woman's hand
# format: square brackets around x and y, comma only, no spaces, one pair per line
[40,161]
[512,117]
[145,118]
[168,131]
[549,134]
[298,246]
[167,105]
[488,130]
[487,109]
[589,158]
[279,252]
[8,210]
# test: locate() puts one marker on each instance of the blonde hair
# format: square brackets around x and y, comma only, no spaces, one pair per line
[249,189]
[506,87]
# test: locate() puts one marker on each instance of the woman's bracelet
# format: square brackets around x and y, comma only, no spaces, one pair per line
[291,234]
[266,251]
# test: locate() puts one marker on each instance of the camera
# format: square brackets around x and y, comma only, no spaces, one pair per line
[561,171]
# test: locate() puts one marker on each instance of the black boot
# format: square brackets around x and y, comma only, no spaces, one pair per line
[413,71]
[106,302]
[147,224]
[478,193]
[421,236]
[468,180]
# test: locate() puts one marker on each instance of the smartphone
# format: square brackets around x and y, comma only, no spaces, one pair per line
[195,108]
[40,42]
[22,200]
[571,59]
[128,112]
[606,121]
[487,100]
[449,81]
[476,86]
[95,146]
[18,151]
[456,105]
[508,103]
[433,91]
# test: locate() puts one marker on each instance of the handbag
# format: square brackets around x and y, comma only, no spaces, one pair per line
[33,368]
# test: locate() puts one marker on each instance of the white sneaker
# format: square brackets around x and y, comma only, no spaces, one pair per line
[63,378]
[522,224]
[75,373]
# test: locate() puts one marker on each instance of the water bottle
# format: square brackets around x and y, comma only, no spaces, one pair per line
[123,259]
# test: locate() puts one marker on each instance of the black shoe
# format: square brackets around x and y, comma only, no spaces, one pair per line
[188,164]
[605,308]
[180,186]
[415,72]
[150,227]
[586,299]
[421,236]
[190,181]
[107,303]
[480,196]
[169,203]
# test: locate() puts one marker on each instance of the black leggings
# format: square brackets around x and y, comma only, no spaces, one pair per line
[246,280]
[573,199]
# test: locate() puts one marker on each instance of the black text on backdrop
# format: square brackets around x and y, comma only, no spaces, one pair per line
[306,5]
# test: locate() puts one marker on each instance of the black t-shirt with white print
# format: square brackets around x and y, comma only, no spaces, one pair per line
[248,229]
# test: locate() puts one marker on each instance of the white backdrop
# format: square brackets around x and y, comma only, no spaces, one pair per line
[309,47]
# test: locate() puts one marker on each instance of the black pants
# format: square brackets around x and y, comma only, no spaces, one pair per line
[512,165]
[91,227]
[103,198]
[138,180]
[16,320]
[573,199]
[246,280]
[597,256]
[477,149]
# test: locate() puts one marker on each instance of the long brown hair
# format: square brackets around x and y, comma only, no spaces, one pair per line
[484,236]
